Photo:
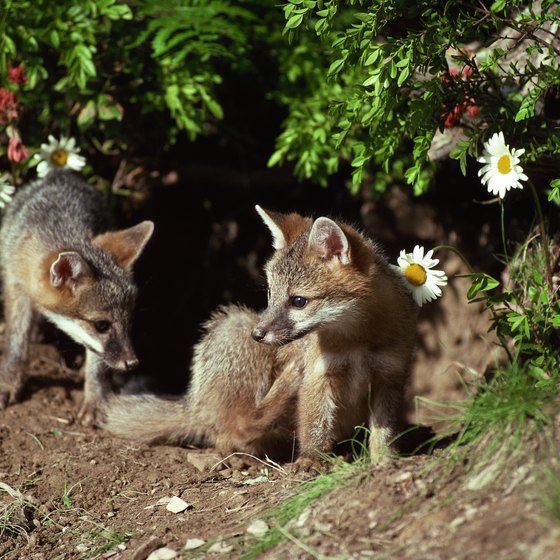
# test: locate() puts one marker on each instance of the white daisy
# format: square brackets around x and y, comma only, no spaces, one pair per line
[59,154]
[416,269]
[502,170]
[6,191]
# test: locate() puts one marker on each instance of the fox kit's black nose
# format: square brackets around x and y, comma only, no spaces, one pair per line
[131,364]
[258,334]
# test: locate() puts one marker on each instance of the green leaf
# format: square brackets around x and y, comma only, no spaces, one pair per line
[87,114]
[482,283]
[335,67]
[359,161]
[554,194]
[403,76]
[294,21]
[108,109]
[460,152]
[275,158]
[374,55]
[371,80]
[498,6]
[527,108]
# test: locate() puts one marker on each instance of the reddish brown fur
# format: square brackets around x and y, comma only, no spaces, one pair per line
[125,246]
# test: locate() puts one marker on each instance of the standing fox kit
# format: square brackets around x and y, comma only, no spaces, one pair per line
[331,352]
[58,260]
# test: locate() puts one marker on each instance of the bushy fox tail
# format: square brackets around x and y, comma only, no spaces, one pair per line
[147,418]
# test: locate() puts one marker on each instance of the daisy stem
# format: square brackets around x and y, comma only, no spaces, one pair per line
[488,306]
[14,173]
[503,227]
[544,236]
[458,253]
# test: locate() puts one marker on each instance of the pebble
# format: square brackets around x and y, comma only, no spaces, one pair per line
[191,544]
[258,528]
[177,505]
[221,548]
[163,554]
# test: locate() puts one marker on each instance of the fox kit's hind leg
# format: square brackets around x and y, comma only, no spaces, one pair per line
[19,317]
[96,388]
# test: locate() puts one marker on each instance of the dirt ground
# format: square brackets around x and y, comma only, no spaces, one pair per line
[70,492]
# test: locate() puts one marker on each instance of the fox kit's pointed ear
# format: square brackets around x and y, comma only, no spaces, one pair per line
[126,245]
[272,221]
[328,241]
[68,269]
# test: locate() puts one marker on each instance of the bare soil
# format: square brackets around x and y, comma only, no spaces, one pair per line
[67,491]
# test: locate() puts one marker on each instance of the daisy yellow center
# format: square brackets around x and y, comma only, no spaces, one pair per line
[504,164]
[59,157]
[416,274]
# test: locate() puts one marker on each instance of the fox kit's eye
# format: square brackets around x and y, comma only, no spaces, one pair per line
[101,326]
[299,302]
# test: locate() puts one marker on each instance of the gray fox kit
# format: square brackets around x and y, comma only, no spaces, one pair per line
[58,260]
[331,352]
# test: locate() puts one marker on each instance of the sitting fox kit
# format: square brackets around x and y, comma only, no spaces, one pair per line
[331,352]
[58,260]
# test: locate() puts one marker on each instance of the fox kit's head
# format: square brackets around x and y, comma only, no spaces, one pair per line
[316,278]
[90,293]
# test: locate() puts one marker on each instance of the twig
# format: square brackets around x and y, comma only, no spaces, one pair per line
[41,446]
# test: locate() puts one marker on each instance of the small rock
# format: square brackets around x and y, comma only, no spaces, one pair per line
[258,528]
[484,477]
[303,517]
[457,521]
[322,527]
[402,477]
[221,548]
[256,480]
[191,544]
[177,505]
[163,554]
[82,548]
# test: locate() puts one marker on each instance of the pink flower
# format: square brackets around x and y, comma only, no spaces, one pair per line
[452,117]
[16,74]
[9,106]
[16,150]
[472,110]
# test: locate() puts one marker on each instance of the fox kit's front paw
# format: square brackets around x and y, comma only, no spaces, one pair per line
[5,398]
[312,464]
[9,394]
[89,415]
[380,448]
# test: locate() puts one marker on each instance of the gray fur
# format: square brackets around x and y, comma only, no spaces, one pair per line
[48,219]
